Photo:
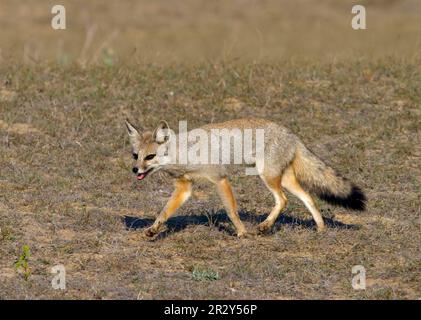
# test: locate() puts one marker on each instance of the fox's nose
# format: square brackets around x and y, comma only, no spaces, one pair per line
[135,169]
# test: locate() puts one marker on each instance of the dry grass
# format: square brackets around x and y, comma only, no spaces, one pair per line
[67,192]
[164,31]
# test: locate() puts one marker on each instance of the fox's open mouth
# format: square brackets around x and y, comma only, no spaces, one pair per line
[141,176]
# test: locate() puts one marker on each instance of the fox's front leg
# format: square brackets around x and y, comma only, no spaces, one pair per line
[227,197]
[181,193]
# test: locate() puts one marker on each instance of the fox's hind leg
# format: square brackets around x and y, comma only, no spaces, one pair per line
[290,182]
[180,195]
[274,185]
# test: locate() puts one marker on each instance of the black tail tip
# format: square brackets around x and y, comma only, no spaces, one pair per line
[356,200]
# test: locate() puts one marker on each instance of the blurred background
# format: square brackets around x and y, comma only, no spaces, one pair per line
[168,31]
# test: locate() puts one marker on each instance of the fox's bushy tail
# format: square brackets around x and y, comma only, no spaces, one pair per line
[325,182]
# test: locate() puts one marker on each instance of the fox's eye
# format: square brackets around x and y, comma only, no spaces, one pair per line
[150,156]
[135,156]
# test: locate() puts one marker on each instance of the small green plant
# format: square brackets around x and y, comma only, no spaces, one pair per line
[201,274]
[108,57]
[22,262]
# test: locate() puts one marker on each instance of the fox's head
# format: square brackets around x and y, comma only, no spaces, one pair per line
[147,148]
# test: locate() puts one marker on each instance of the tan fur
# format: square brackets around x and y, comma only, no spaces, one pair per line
[181,193]
[290,183]
[288,165]
[316,175]
[274,185]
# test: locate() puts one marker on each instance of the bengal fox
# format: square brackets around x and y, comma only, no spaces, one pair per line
[288,165]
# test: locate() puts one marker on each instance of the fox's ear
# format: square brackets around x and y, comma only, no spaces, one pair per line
[131,129]
[133,132]
[162,133]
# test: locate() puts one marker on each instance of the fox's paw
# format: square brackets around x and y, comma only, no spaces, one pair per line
[264,227]
[150,232]
[242,234]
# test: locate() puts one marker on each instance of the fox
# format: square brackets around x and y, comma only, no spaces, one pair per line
[285,165]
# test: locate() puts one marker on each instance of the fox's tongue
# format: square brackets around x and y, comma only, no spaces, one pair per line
[141,176]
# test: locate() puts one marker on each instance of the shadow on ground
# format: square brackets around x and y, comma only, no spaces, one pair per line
[220,220]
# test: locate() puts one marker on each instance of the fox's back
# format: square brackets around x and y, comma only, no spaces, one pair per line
[242,123]
[279,142]
[276,136]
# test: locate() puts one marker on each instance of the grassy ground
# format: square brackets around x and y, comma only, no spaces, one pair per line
[66,187]
[67,191]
